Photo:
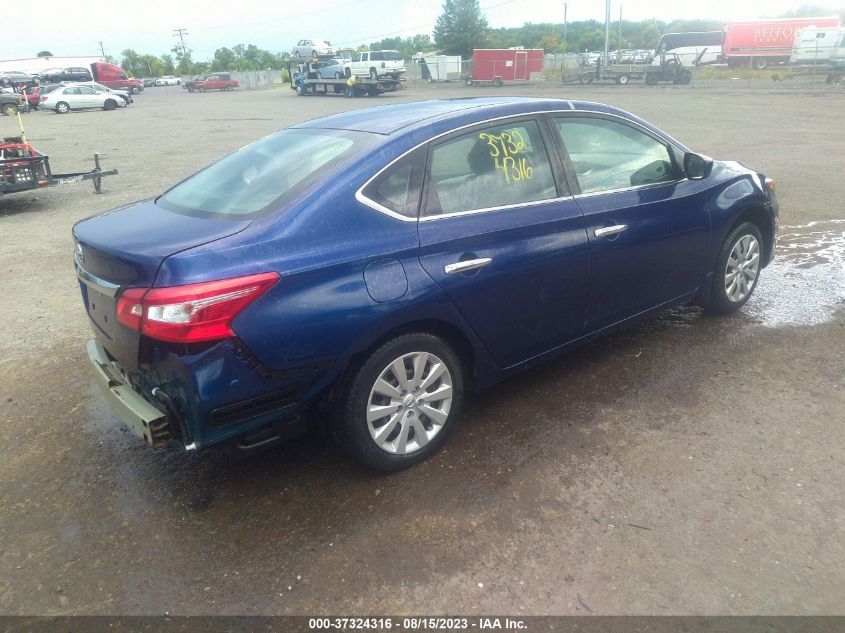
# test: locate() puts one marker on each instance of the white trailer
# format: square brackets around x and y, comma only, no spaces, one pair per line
[825,46]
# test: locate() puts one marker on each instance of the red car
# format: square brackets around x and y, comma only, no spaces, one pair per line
[217,81]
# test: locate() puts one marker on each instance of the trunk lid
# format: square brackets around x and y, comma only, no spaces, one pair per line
[124,248]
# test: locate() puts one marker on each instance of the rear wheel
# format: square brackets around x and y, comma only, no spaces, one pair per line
[651,79]
[62,107]
[737,269]
[623,80]
[230,87]
[347,72]
[373,73]
[9,109]
[401,403]
[497,81]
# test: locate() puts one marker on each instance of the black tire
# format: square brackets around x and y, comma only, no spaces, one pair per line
[201,88]
[686,77]
[229,87]
[373,73]
[299,91]
[9,109]
[134,90]
[347,72]
[110,104]
[314,54]
[718,301]
[62,107]
[623,80]
[761,63]
[191,88]
[651,79]
[497,81]
[468,80]
[353,430]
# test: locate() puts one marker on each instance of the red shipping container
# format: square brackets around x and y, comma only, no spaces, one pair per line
[509,64]
[767,38]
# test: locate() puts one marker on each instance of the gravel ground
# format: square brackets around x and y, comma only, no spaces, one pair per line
[686,465]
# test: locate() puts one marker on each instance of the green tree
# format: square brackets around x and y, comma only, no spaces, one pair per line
[45,54]
[460,28]
[167,67]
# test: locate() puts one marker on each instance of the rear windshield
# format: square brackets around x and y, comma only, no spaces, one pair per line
[257,177]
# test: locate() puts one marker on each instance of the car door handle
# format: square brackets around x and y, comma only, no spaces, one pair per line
[607,231]
[469,264]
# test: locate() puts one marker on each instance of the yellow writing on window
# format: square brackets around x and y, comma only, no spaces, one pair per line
[505,150]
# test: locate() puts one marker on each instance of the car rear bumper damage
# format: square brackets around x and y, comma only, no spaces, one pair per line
[144,419]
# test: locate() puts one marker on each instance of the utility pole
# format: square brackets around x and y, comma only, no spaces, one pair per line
[619,47]
[102,50]
[606,32]
[565,4]
[181,33]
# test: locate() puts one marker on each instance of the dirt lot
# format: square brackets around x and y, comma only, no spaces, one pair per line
[688,465]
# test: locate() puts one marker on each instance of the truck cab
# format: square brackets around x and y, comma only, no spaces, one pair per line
[115,77]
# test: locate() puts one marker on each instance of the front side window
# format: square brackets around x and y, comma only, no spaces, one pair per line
[608,155]
[255,177]
[398,187]
[490,167]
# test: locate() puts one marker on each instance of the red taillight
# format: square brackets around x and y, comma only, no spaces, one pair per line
[192,313]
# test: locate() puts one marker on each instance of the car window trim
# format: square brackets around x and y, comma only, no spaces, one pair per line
[573,191]
[511,119]
[569,169]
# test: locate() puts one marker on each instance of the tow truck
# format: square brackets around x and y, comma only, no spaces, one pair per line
[305,81]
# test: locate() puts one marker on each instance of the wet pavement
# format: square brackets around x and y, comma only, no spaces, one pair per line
[688,464]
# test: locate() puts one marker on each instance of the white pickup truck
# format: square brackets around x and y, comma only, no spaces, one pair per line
[375,64]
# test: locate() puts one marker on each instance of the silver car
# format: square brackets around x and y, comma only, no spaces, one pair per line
[313,48]
[69,98]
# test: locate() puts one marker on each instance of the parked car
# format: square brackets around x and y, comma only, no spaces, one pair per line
[216,81]
[18,78]
[74,74]
[329,69]
[375,264]
[168,80]
[123,94]
[149,82]
[75,97]
[313,48]
[375,64]
[11,103]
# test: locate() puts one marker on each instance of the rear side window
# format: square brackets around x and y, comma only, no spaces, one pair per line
[398,187]
[607,155]
[255,177]
[490,167]
[377,56]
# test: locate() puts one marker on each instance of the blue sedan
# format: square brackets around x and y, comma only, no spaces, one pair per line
[370,267]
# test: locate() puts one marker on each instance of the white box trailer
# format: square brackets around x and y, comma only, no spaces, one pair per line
[441,67]
[821,46]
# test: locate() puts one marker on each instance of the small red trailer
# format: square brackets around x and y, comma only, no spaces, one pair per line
[497,65]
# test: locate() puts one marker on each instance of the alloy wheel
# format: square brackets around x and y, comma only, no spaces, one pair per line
[409,403]
[742,268]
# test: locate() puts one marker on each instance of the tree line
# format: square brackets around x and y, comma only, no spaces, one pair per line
[459,29]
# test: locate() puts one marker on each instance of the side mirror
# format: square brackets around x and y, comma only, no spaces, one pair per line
[697,166]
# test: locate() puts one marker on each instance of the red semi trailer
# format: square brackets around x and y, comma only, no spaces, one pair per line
[766,42]
[497,65]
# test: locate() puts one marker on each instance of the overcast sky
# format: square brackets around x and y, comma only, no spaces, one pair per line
[75,28]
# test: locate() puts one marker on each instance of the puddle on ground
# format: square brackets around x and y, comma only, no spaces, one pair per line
[805,284]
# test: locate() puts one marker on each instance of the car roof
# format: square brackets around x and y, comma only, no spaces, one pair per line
[390,119]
